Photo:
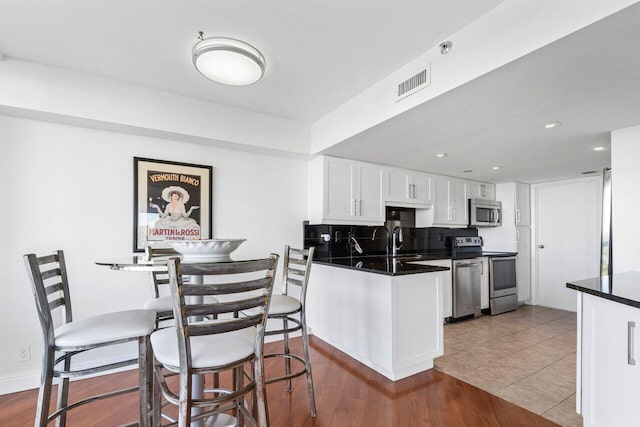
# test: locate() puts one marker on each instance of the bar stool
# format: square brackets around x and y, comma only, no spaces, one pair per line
[288,309]
[48,275]
[227,344]
[162,303]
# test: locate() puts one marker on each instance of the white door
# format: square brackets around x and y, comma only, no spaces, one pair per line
[567,238]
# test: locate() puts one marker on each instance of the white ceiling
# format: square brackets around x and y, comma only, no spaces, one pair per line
[321,54]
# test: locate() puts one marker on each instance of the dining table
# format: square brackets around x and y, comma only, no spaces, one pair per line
[142,263]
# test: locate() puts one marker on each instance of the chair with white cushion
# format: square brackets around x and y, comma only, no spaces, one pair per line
[162,302]
[226,344]
[50,285]
[290,311]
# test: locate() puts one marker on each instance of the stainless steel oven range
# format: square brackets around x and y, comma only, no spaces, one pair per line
[503,291]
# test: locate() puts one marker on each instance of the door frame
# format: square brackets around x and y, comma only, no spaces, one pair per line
[535,286]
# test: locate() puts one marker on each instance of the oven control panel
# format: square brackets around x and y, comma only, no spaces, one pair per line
[461,242]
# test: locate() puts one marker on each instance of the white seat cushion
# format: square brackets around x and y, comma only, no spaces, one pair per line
[282,304]
[106,328]
[206,350]
[165,303]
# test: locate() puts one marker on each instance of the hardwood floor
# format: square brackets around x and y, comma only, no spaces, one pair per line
[347,394]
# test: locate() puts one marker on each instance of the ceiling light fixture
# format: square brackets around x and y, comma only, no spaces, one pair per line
[445,47]
[552,125]
[441,155]
[495,168]
[228,61]
[600,148]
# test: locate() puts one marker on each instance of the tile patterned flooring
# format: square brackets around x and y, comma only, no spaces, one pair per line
[527,357]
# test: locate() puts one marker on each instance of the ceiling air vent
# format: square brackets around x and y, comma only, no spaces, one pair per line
[413,84]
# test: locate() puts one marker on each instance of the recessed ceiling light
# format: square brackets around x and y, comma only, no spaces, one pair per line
[600,148]
[552,125]
[495,168]
[441,155]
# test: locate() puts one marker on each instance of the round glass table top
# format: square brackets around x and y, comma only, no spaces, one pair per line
[159,263]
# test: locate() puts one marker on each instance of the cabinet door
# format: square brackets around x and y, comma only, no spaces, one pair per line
[523,263]
[442,212]
[421,189]
[610,385]
[397,186]
[484,283]
[370,204]
[447,310]
[523,204]
[458,201]
[339,191]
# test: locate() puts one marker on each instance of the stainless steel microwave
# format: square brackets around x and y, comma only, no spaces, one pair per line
[485,213]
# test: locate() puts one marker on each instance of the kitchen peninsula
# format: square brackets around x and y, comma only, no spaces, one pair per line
[383,311]
[608,341]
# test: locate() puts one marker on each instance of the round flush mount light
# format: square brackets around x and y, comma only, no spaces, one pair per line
[552,125]
[228,61]
[441,155]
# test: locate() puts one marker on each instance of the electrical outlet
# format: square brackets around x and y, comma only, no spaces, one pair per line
[24,354]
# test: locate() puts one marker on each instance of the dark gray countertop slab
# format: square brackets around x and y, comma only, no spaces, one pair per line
[622,287]
[400,265]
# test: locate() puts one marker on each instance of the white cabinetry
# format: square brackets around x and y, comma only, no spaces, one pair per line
[610,384]
[484,283]
[345,191]
[523,204]
[481,190]
[450,201]
[447,284]
[404,187]
[523,263]
[392,324]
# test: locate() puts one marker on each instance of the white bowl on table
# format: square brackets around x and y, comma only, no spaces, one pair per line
[213,249]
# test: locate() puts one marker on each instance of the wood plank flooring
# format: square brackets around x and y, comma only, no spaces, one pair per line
[347,394]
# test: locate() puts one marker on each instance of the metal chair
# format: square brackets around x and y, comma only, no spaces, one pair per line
[290,310]
[162,302]
[199,347]
[50,285]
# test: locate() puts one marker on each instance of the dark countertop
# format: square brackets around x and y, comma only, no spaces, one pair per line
[622,287]
[401,264]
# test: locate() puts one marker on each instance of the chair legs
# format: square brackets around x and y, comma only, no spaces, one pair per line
[44,395]
[307,363]
[287,360]
[63,395]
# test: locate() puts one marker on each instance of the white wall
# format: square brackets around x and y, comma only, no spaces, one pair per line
[71,188]
[625,178]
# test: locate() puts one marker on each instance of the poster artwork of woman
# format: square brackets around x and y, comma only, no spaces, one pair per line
[175,217]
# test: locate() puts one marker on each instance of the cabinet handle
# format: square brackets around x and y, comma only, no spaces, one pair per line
[408,192]
[413,191]
[360,207]
[517,236]
[631,328]
[482,192]
[449,217]
[517,216]
[353,207]
[454,214]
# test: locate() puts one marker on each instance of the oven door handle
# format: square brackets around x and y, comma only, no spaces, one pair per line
[470,264]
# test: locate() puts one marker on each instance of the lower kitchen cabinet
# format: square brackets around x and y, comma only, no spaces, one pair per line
[484,283]
[447,285]
[523,263]
[610,344]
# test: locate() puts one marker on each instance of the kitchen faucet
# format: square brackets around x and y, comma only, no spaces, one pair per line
[395,239]
[352,240]
[386,246]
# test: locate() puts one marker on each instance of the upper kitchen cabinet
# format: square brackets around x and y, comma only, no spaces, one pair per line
[450,201]
[345,192]
[403,187]
[523,204]
[481,190]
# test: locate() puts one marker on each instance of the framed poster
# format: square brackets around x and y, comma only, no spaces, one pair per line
[171,201]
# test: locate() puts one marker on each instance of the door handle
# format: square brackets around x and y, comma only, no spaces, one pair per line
[540,246]
[631,327]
